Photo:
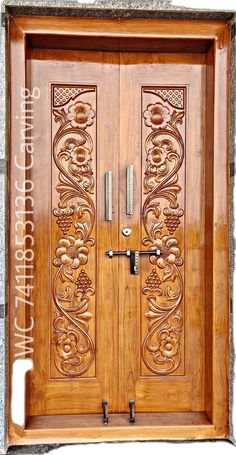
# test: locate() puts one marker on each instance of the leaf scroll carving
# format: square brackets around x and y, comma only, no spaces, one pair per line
[74,351]
[161,214]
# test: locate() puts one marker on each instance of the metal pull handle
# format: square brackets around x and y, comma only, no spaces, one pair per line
[108,195]
[129,189]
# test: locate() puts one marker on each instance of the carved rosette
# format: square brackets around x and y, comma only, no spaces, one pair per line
[163,288]
[74,349]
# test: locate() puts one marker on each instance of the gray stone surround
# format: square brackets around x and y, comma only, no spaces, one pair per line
[99,8]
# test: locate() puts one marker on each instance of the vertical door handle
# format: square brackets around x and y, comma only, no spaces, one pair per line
[129,189]
[108,196]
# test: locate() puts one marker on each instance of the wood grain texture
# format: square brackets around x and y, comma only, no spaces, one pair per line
[109,43]
[148,426]
[95,384]
[65,337]
[120,27]
[220,313]
[118,324]
[140,72]
[74,239]
[164,111]
[17,313]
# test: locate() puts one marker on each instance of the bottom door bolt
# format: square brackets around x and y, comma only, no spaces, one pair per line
[131,411]
[105,414]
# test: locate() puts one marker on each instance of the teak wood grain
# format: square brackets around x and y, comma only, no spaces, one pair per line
[83,395]
[191,399]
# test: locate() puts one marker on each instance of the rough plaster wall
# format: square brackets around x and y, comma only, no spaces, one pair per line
[124,8]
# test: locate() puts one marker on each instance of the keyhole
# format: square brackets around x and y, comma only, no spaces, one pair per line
[126,231]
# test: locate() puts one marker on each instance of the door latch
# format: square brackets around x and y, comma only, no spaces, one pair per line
[134,257]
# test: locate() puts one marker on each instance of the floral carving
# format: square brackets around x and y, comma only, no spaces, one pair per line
[170,250]
[81,115]
[158,162]
[156,116]
[72,288]
[72,252]
[168,345]
[67,347]
[79,160]
[164,149]
[157,157]
[79,155]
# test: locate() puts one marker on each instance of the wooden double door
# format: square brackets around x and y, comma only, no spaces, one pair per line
[119,166]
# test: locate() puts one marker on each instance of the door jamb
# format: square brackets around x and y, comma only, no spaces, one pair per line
[218,32]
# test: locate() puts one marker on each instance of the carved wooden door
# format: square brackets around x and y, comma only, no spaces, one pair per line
[102,332]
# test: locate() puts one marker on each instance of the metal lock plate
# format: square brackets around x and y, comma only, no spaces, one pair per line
[134,262]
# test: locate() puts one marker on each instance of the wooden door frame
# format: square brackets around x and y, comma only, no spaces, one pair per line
[214,422]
